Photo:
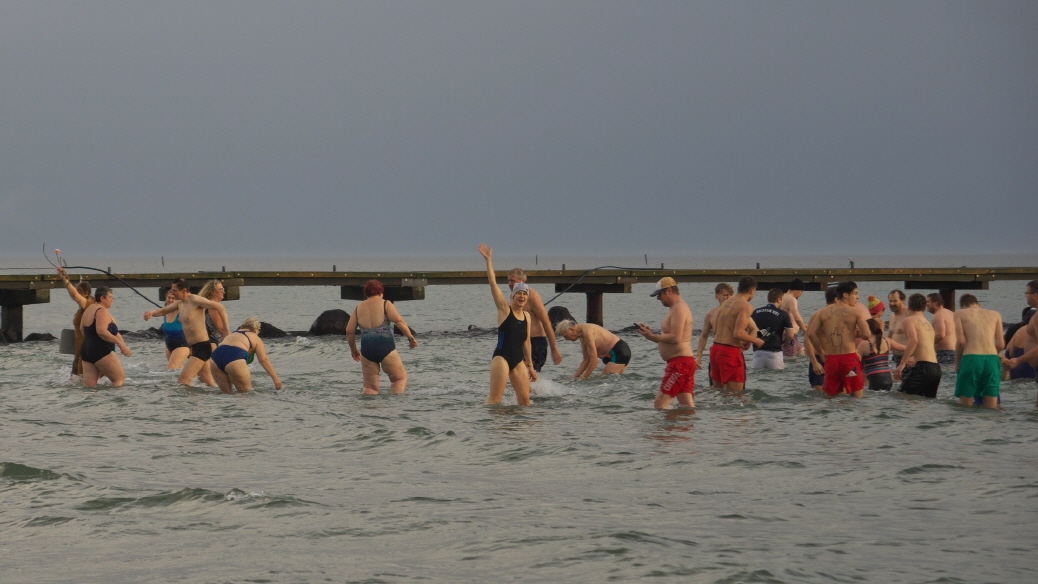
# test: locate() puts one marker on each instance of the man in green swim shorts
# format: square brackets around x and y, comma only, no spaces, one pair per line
[979,335]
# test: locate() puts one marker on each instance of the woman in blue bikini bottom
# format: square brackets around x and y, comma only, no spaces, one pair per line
[230,361]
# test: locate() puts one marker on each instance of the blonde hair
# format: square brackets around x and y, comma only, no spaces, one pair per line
[563,327]
[252,323]
[209,289]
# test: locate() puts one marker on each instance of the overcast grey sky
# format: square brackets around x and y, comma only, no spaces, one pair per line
[342,128]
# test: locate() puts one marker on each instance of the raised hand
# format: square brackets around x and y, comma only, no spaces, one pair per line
[485,250]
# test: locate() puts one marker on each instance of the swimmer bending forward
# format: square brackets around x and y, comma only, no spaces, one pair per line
[512,358]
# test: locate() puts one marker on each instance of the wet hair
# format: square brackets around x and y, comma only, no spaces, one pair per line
[723,287]
[747,283]
[796,284]
[900,294]
[518,273]
[209,289]
[373,288]
[563,327]
[936,299]
[917,302]
[877,331]
[101,292]
[830,295]
[845,288]
[252,323]
[1033,286]
[180,284]
[967,300]
[775,294]
[83,288]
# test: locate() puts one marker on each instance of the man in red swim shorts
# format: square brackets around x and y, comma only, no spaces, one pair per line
[675,345]
[834,331]
[731,336]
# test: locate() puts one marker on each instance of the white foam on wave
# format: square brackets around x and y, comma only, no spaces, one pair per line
[548,388]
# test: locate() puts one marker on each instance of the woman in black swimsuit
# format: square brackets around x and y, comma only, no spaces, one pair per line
[512,358]
[100,336]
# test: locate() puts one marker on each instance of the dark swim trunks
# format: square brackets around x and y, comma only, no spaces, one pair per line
[539,351]
[619,353]
[202,350]
[922,379]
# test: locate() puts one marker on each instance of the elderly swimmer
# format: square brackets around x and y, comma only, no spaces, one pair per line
[596,343]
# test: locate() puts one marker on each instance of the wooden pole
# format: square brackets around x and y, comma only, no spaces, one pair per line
[594,307]
[11,322]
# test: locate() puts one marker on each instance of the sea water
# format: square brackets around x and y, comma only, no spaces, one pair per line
[158,482]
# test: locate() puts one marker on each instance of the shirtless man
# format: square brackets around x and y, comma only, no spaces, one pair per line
[835,330]
[925,374]
[792,347]
[731,337]
[595,343]
[979,334]
[192,317]
[1032,327]
[722,292]
[541,331]
[943,329]
[816,355]
[895,327]
[675,345]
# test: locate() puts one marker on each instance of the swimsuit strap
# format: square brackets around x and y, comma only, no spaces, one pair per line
[246,338]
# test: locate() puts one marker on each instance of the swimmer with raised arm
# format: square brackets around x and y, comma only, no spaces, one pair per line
[541,334]
[191,309]
[177,350]
[595,343]
[512,361]
[80,294]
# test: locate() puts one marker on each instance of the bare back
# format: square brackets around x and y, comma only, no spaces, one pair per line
[728,314]
[602,339]
[944,326]
[792,307]
[838,324]
[923,332]
[372,312]
[981,330]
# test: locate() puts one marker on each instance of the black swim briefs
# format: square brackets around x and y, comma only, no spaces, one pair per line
[202,350]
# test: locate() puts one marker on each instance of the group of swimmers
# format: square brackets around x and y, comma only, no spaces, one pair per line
[195,330]
[847,342]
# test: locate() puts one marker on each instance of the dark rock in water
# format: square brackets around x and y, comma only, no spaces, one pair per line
[9,335]
[148,333]
[557,314]
[269,331]
[400,333]
[39,337]
[331,322]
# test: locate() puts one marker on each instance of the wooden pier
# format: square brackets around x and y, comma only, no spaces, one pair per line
[19,290]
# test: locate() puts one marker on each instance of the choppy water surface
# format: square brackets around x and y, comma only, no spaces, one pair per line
[316,483]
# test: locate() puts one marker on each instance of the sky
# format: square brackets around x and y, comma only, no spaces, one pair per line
[409,128]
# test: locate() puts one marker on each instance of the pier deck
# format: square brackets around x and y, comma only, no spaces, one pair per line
[19,290]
